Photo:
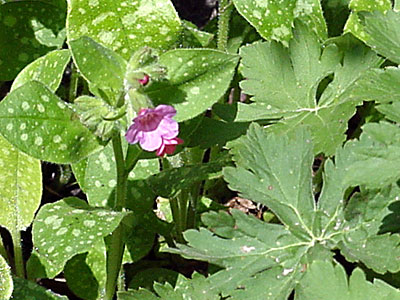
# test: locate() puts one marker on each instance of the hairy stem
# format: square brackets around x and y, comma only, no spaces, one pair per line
[115,249]
[18,259]
[224,12]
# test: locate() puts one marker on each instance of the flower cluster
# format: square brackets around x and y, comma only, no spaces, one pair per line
[155,130]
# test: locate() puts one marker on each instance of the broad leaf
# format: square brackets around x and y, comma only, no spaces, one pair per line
[325,281]
[47,69]
[38,123]
[274,19]
[124,26]
[6,281]
[20,187]
[196,288]
[26,289]
[26,33]
[284,86]
[69,227]
[197,78]
[101,67]
[354,25]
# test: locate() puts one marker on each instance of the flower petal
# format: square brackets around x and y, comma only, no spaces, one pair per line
[150,141]
[165,110]
[168,128]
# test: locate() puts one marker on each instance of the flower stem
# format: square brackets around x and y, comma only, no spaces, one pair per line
[115,248]
[18,259]
[73,84]
[224,11]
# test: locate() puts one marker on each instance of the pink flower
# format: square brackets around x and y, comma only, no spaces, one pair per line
[154,129]
[145,80]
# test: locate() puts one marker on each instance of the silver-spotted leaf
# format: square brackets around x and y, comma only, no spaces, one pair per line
[124,26]
[6,281]
[69,227]
[20,187]
[38,123]
[197,78]
[47,69]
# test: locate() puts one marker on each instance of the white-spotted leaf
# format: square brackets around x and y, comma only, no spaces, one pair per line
[38,123]
[47,69]
[69,227]
[6,281]
[197,78]
[124,26]
[27,289]
[20,187]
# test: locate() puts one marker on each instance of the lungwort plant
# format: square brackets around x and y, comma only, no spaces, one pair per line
[153,132]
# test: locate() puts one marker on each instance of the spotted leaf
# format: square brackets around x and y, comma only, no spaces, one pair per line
[47,69]
[27,32]
[6,282]
[69,227]
[197,78]
[20,187]
[124,26]
[38,123]
[27,289]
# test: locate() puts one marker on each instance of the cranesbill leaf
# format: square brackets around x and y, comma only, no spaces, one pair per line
[28,32]
[284,86]
[196,288]
[124,26]
[20,187]
[101,67]
[277,176]
[69,227]
[38,123]
[354,25]
[47,69]
[274,19]
[328,282]
[6,281]
[197,78]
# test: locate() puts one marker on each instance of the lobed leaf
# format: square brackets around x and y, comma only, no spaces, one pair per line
[69,227]
[124,26]
[197,78]
[38,123]
[328,282]
[284,86]
[20,187]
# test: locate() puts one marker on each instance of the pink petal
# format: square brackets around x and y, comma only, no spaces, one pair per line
[150,141]
[132,134]
[165,110]
[168,128]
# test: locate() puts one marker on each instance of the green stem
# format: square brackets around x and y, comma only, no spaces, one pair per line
[115,250]
[73,84]
[224,11]
[173,202]
[132,157]
[18,259]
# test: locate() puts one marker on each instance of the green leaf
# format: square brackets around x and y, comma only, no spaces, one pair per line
[193,37]
[274,20]
[29,29]
[197,78]
[47,69]
[6,281]
[146,278]
[69,227]
[26,289]
[20,187]
[284,85]
[366,215]
[355,26]
[101,67]
[38,123]
[124,26]
[196,288]
[278,177]
[328,282]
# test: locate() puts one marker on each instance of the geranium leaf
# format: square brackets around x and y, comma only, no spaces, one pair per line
[284,85]
[328,282]
[6,281]
[20,187]
[47,69]
[274,20]
[197,78]
[27,32]
[69,227]
[124,26]
[38,123]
